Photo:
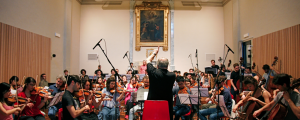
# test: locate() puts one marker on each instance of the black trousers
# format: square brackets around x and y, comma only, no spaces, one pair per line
[129,105]
[38,117]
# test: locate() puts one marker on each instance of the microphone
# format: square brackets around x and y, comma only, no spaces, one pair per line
[220,59]
[229,49]
[196,53]
[97,44]
[189,56]
[125,54]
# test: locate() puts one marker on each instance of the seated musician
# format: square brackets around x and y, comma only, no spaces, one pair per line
[297,88]
[110,100]
[129,72]
[83,75]
[134,109]
[262,97]
[98,74]
[188,84]
[206,80]
[180,109]
[43,81]
[269,71]
[32,109]
[13,81]
[7,111]
[131,87]
[124,79]
[254,75]
[57,88]
[193,82]
[137,78]
[71,110]
[227,99]
[291,99]
[101,83]
[89,100]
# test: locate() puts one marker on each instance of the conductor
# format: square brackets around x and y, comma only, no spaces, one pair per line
[161,81]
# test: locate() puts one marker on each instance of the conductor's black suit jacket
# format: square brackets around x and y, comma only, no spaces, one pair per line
[161,84]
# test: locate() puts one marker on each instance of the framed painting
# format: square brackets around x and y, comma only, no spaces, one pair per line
[151,25]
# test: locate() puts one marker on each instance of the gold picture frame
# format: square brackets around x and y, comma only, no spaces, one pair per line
[150,52]
[150,18]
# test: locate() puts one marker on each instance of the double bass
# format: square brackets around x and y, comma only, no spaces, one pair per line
[228,83]
[270,86]
[239,84]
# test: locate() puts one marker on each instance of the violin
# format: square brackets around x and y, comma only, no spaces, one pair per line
[40,91]
[119,90]
[81,92]
[12,99]
[136,85]
[146,87]
[216,93]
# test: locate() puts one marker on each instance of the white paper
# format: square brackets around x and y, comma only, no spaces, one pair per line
[184,98]
[222,105]
[46,87]
[145,95]
[203,91]
[13,92]
[228,75]
[247,74]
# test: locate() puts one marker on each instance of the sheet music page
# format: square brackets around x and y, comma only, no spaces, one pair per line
[194,99]
[204,91]
[184,98]
[223,106]
[145,95]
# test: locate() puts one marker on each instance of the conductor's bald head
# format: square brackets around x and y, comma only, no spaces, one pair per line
[163,63]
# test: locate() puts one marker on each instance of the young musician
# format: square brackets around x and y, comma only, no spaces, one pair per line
[124,78]
[99,69]
[131,87]
[13,81]
[143,88]
[206,80]
[193,82]
[83,75]
[101,83]
[254,75]
[188,84]
[70,107]
[130,67]
[110,100]
[191,70]
[269,71]
[143,67]
[112,72]
[89,100]
[32,110]
[43,81]
[66,72]
[180,109]
[261,96]
[234,77]
[227,99]
[291,99]
[60,82]
[98,74]
[213,65]
[6,111]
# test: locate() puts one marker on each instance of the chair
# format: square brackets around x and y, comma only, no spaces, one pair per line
[60,114]
[189,113]
[156,110]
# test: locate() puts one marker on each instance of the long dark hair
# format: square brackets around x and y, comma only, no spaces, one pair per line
[28,80]
[111,79]
[84,83]
[4,88]
[250,80]
[13,78]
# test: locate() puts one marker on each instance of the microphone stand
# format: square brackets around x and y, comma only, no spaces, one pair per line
[218,83]
[132,73]
[199,93]
[191,62]
[116,76]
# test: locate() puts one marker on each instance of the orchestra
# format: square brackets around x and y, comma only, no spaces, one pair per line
[96,96]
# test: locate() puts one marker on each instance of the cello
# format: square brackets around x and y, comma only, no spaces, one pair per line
[250,106]
[278,110]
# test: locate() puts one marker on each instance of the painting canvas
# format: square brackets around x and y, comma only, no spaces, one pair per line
[151,26]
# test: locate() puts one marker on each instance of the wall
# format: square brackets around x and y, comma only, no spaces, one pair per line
[260,17]
[202,30]
[113,26]
[45,17]
[75,35]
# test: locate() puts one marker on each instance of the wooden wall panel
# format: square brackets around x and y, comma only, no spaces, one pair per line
[23,53]
[285,44]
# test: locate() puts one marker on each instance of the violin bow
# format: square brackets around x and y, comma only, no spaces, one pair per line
[16,92]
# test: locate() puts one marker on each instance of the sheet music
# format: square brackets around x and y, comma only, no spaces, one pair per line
[142,94]
[145,95]
[204,91]
[56,99]
[228,75]
[223,106]
[184,98]
[194,99]
[247,74]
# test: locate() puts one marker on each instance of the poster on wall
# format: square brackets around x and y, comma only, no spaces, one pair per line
[151,25]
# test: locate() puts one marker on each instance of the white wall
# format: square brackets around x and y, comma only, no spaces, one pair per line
[202,30]
[113,26]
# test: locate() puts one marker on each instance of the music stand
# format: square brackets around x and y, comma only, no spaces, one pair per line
[188,99]
[203,91]
[223,106]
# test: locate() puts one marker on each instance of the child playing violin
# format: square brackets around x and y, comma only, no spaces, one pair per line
[132,87]
[6,111]
[180,109]
[32,109]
